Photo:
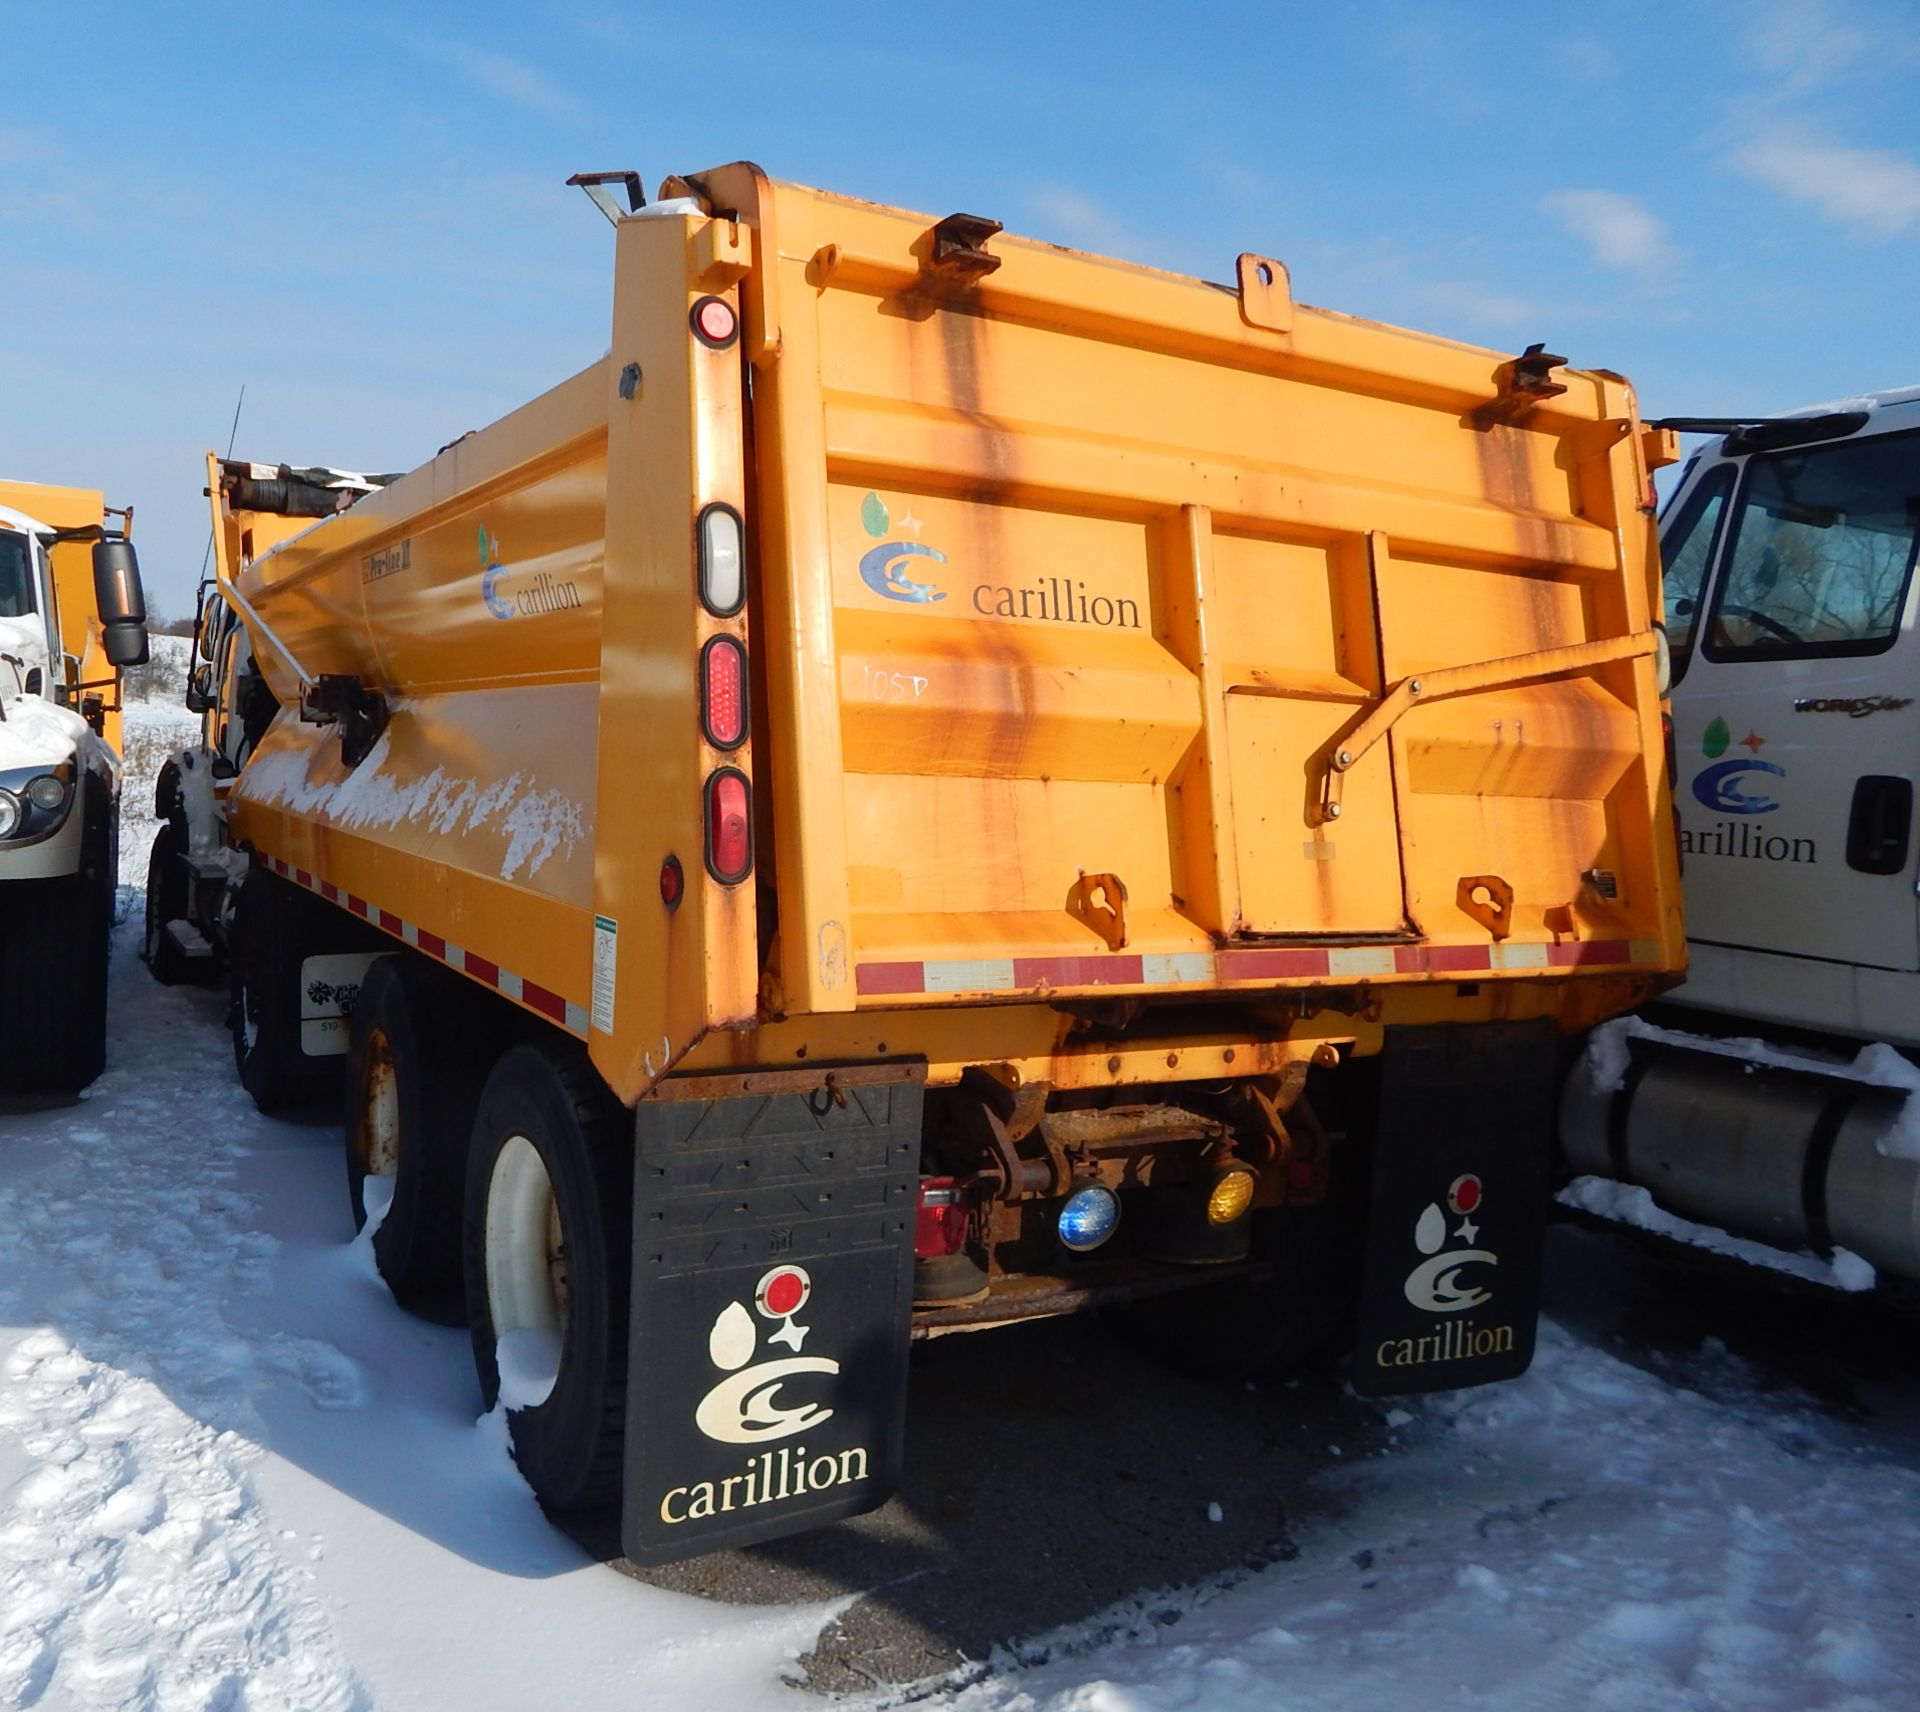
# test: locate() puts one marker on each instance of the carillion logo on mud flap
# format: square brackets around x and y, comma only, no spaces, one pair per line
[745,1407]
[1435,1286]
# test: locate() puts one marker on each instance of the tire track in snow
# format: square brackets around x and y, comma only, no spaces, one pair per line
[137,1569]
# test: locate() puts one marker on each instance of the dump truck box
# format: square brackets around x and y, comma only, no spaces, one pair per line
[1011,699]
[1071,584]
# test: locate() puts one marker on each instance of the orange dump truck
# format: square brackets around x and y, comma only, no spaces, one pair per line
[943,781]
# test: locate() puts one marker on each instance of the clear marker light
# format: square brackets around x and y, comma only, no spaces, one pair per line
[722,561]
[1088,1217]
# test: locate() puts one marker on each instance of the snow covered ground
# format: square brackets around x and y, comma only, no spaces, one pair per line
[235,1477]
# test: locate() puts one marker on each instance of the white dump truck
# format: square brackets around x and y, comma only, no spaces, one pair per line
[71,615]
[1770,1095]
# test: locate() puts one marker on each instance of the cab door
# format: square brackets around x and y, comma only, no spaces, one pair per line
[1797,715]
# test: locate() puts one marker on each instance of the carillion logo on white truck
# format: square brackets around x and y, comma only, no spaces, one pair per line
[1728,786]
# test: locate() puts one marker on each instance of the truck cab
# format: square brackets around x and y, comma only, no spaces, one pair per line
[1789,568]
[59,795]
[1789,552]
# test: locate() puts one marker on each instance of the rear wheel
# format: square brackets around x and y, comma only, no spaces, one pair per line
[418,1050]
[548,1247]
[167,900]
[276,928]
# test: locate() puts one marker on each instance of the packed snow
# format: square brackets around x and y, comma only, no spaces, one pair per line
[35,733]
[1628,1204]
[234,1475]
[537,822]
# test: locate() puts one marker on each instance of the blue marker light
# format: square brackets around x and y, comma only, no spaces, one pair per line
[1089,1217]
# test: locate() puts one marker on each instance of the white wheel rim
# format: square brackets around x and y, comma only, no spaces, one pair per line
[526,1274]
[380,1132]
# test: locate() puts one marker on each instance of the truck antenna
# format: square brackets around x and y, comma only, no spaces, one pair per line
[233,434]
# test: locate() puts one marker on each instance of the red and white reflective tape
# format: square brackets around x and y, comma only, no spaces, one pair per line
[1250,963]
[535,997]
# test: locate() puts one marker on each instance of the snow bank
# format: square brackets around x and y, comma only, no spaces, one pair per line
[154,722]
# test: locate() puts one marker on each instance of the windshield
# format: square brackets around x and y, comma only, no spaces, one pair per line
[1822,545]
[16,574]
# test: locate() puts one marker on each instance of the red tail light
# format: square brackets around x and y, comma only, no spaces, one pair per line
[723,692]
[729,826]
[714,323]
[941,1227]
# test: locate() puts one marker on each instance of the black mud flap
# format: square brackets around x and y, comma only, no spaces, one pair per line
[1461,1180]
[772,1310]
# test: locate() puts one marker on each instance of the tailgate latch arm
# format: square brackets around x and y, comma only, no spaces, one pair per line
[1346,750]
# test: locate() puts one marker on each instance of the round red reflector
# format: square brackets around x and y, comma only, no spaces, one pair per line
[783,1291]
[1464,1196]
[673,882]
[714,322]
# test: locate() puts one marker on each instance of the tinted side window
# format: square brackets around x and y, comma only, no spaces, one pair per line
[16,575]
[1821,551]
[1686,550]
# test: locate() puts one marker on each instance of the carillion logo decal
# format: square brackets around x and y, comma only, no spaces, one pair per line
[1719,787]
[896,568]
[1436,1286]
[884,568]
[530,597]
[1730,787]
[746,1407]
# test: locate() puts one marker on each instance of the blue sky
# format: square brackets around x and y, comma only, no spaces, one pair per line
[358,211]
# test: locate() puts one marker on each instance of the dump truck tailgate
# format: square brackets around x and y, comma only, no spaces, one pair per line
[1078,577]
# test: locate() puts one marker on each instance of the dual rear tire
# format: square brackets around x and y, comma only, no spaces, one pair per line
[416,1038]
[518,1190]
[548,1240]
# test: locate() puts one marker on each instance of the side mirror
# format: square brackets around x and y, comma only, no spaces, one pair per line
[200,690]
[206,613]
[121,602]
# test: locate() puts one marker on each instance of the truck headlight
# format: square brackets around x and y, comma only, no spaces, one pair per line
[10,813]
[47,792]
